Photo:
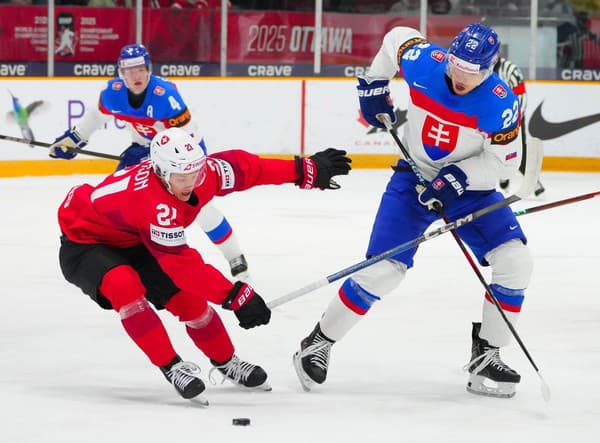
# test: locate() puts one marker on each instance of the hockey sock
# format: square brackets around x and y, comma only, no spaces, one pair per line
[210,336]
[344,311]
[145,328]
[219,231]
[493,328]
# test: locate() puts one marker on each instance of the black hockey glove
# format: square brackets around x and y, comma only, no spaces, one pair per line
[247,305]
[318,170]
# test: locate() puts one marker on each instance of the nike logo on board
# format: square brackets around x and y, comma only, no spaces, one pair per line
[544,130]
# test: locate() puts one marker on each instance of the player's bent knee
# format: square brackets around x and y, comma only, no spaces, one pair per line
[121,286]
[382,277]
[511,264]
[187,306]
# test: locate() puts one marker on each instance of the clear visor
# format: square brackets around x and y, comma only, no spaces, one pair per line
[466,69]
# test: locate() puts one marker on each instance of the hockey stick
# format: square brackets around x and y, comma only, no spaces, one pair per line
[533,160]
[527,186]
[555,204]
[48,145]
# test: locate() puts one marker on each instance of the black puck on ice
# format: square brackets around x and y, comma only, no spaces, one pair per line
[241,421]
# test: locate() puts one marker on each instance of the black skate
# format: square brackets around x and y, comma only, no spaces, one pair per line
[312,360]
[485,365]
[241,373]
[185,378]
[239,268]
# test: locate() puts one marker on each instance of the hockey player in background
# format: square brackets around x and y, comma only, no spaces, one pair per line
[147,104]
[123,244]
[513,77]
[463,134]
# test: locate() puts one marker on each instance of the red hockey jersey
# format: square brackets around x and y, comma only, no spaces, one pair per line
[132,207]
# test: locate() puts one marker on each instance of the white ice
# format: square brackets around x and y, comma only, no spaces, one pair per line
[68,372]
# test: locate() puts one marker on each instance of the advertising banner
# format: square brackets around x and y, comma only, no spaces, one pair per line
[283,116]
[82,34]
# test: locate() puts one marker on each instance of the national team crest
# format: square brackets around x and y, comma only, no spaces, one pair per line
[164,139]
[438,56]
[144,130]
[500,91]
[439,138]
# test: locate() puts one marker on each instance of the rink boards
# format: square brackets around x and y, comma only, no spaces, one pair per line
[281,117]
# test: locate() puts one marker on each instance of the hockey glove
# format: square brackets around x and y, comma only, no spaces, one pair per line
[318,170]
[450,183]
[247,305]
[374,98]
[133,155]
[61,148]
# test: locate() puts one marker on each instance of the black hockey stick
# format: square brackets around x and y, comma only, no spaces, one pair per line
[48,145]
[533,163]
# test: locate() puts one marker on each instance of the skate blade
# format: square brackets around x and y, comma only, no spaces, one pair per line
[306,382]
[476,385]
[200,400]
[264,387]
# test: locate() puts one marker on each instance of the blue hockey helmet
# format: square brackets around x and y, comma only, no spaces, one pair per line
[475,50]
[134,55]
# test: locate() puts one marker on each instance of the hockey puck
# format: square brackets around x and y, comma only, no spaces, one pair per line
[241,421]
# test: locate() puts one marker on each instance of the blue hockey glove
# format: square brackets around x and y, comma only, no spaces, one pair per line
[133,155]
[61,146]
[374,98]
[450,184]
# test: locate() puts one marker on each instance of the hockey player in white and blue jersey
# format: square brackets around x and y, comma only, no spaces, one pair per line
[463,134]
[148,104]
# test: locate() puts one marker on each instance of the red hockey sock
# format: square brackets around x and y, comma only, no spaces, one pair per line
[210,336]
[147,331]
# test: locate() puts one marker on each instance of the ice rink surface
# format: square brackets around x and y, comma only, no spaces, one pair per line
[68,372]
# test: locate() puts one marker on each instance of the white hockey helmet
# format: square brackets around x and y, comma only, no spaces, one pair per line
[175,151]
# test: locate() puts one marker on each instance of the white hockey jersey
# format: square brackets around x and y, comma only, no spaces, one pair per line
[478,132]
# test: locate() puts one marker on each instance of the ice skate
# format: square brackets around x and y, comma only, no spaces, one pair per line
[239,268]
[486,366]
[312,360]
[241,373]
[185,378]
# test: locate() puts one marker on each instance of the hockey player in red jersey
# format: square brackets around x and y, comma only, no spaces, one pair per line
[123,243]
[145,104]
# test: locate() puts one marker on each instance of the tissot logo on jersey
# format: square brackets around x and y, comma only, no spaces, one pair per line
[167,236]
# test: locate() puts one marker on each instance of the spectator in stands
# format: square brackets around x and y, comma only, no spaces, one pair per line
[111,3]
[571,39]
